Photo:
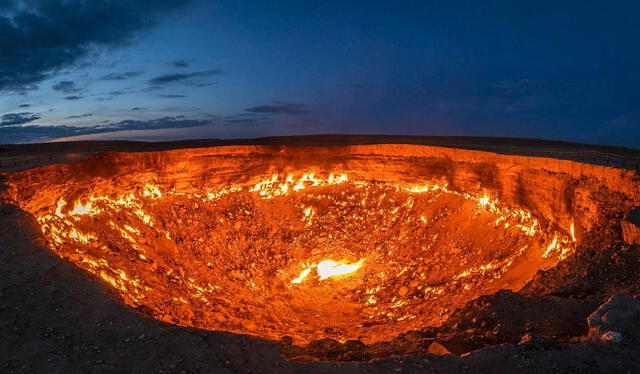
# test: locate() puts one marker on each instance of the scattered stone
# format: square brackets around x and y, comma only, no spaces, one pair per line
[617,310]
[249,325]
[611,337]
[631,227]
[304,358]
[438,349]
[619,316]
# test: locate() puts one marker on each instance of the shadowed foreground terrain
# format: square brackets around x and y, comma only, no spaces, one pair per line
[55,319]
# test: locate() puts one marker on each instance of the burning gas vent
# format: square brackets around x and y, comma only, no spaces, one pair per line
[307,254]
[362,242]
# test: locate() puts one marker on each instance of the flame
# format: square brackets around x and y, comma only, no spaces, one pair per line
[79,209]
[337,269]
[326,269]
[272,187]
[61,203]
[572,230]
[303,275]
[553,245]
[151,191]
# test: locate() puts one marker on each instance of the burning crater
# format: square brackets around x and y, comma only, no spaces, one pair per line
[360,242]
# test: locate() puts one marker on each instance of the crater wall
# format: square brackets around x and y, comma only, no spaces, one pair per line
[555,191]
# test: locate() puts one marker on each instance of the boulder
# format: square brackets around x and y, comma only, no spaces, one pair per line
[611,337]
[448,346]
[618,317]
[438,349]
[631,227]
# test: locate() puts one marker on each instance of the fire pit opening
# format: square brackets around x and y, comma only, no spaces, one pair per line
[271,246]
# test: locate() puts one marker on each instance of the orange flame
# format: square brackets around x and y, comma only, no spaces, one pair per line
[79,209]
[330,269]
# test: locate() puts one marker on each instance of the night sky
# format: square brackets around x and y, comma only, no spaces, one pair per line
[177,69]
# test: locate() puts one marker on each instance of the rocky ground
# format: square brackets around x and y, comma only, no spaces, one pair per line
[56,319]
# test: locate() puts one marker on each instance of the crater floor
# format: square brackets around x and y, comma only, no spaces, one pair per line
[308,255]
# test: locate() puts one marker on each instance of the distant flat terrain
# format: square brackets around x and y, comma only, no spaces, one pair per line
[22,156]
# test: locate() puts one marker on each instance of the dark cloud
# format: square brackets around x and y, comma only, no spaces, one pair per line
[121,76]
[67,87]
[42,36]
[205,84]
[239,121]
[186,78]
[179,64]
[280,108]
[172,96]
[73,97]
[80,116]
[25,105]
[118,93]
[136,108]
[14,119]
[15,134]
[152,88]
[7,5]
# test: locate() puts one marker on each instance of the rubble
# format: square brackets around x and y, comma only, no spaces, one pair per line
[631,227]
[618,317]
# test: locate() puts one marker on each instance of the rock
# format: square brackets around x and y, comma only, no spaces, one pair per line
[448,346]
[219,317]
[249,325]
[403,291]
[325,347]
[631,227]
[438,349]
[619,309]
[527,338]
[611,337]
[619,316]
[305,358]
[354,345]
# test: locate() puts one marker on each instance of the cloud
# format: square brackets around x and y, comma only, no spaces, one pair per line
[40,37]
[119,93]
[67,87]
[80,116]
[121,76]
[73,97]
[280,108]
[30,133]
[135,108]
[14,119]
[172,96]
[25,105]
[185,78]
[179,64]
[238,121]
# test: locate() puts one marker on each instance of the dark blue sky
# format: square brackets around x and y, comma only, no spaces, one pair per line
[171,69]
